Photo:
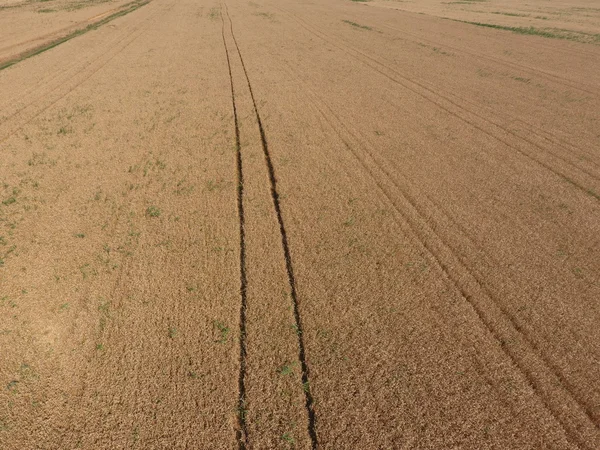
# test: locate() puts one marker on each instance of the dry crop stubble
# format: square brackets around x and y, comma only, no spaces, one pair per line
[428,200]
[143,258]
[41,89]
[296,225]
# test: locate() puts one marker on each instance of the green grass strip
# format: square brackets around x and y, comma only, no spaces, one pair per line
[553,33]
[357,25]
[129,7]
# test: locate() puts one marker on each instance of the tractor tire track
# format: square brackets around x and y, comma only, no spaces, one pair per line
[589,191]
[474,291]
[541,73]
[242,432]
[578,51]
[349,50]
[430,218]
[475,299]
[532,129]
[548,166]
[309,400]
[432,89]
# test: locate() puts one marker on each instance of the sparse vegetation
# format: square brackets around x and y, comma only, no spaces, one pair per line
[427,248]
[553,33]
[287,368]
[222,330]
[287,437]
[214,13]
[357,25]
[440,51]
[349,222]
[509,14]
[266,15]
[464,2]
[153,211]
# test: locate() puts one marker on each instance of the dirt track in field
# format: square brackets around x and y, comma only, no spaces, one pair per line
[273,224]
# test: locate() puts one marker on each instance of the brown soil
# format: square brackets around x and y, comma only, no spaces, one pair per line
[278,224]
